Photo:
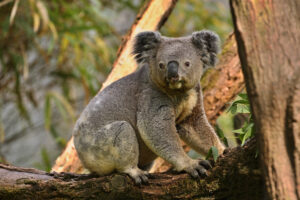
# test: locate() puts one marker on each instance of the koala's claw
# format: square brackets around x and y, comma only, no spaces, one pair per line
[206,164]
[202,172]
[140,179]
[139,176]
[197,172]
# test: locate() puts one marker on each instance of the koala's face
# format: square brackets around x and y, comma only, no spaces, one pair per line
[177,63]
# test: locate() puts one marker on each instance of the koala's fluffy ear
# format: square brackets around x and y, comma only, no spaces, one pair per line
[144,43]
[209,43]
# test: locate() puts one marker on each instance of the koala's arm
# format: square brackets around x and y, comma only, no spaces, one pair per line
[156,124]
[197,132]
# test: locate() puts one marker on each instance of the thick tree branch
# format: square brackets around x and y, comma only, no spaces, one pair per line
[235,176]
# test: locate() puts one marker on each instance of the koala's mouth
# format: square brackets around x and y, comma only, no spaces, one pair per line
[175,83]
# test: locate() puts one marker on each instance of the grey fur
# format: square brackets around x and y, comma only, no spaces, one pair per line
[133,120]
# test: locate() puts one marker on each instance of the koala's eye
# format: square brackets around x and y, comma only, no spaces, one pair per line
[187,63]
[161,65]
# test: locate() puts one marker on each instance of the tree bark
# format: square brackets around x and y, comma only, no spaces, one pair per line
[268,37]
[236,175]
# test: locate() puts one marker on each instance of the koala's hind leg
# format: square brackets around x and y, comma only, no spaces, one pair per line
[113,147]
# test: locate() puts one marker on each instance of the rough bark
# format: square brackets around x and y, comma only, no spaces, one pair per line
[268,36]
[235,176]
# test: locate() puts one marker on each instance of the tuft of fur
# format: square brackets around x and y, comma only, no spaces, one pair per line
[208,42]
[145,42]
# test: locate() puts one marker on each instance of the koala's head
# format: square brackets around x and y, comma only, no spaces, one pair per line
[176,63]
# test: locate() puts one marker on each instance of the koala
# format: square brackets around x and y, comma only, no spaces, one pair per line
[143,115]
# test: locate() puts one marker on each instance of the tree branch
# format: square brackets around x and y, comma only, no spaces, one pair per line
[235,176]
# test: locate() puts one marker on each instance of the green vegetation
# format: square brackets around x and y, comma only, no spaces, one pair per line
[192,15]
[242,105]
[212,153]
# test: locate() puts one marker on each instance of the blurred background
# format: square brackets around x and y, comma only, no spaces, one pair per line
[54,57]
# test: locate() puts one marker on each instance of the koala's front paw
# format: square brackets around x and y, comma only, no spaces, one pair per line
[198,168]
[139,176]
[205,163]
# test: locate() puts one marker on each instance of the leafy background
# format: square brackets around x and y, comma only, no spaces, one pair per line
[54,56]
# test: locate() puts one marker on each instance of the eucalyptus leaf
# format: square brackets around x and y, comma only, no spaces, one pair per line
[239,131]
[233,109]
[47,112]
[243,96]
[213,152]
[241,108]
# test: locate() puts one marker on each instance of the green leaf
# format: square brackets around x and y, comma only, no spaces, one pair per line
[243,96]
[60,108]
[213,152]
[64,105]
[61,142]
[246,136]
[220,132]
[53,131]
[46,160]
[248,126]
[241,108]
[241,102]
[221,135]
[248,132]
[233,109]
[47,112]
[239,131]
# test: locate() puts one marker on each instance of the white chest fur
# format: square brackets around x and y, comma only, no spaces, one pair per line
[185,107]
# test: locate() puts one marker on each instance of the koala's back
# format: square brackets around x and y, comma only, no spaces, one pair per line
[117,102]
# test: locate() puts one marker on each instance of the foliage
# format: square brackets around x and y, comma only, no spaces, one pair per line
[221,135]
[46,163]
[242,105]
[78,39]
[76,42]
[212,153]
[192,15]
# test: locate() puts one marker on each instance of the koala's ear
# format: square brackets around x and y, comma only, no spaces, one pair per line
[144,42]
[209,43]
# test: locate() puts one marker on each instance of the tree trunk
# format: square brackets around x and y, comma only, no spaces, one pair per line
[235,176]
[268,36]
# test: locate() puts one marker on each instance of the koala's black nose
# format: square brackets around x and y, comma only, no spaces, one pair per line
[173,70]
